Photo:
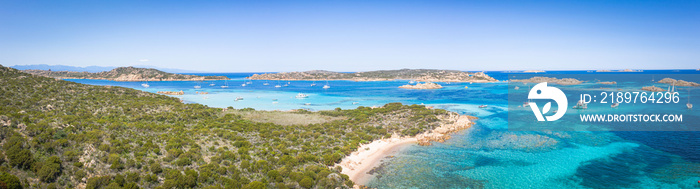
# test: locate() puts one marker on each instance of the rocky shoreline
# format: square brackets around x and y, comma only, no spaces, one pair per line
[679,82]
[653,89]
[361,161]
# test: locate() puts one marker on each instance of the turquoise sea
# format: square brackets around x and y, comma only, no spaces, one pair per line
[489,155]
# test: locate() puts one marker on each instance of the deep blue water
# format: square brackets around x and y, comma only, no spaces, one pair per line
[489,155]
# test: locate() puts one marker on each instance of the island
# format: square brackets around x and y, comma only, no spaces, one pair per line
[125,74]
[679,82]
[62,134]
[607,82]
[653,89]
[563,81]
[427,85]
[426,75]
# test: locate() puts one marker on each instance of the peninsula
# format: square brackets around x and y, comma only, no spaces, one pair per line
[125,74]
[426,75]
[61,134]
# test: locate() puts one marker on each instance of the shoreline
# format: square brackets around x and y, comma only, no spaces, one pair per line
[368,156]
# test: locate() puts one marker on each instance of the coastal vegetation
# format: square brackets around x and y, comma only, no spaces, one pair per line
[428,75]
[125,74]
[61,134]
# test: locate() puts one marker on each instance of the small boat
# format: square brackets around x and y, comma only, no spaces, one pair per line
[225,85]
[275,102]
[286,85]
[526,104]
[313,84]
[266,83]
[516,87]
[197,86]
[238,98]
[212,84]
[689,105]
[302,95]
[326,86]
[355,103]
[581,105]
[466,87]
[483,106]
[307,104]
[277,86]
[145,85]
[412,82]
[615,105]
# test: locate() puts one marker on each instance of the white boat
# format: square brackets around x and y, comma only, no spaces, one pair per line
[302,95]
[266,83]
[689,105]
[307,104]
[313,84]
[581,105]
[238,98]
[483,106]
[527,103]
[225,85]
[277,86]
[411,82]
[197,86]
[516,87]
[145,85]
[212,84]
[355,103]
[326,86]
[243,85]
[615,105]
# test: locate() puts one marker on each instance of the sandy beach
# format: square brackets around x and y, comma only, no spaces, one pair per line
[368,156]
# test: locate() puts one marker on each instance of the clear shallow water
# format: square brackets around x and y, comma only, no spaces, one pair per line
[487,155]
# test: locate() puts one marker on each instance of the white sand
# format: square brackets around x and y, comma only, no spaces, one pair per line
[367,156]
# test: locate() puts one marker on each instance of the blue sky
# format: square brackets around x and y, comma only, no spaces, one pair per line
[243,36]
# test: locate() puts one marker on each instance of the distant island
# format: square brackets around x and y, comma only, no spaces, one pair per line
[625,70]
[426,75]
[422,86]
[679,82]
[563,81]
[125,74]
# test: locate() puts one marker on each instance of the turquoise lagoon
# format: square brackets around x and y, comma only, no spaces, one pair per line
[487,155]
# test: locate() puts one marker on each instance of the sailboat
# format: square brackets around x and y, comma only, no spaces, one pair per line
[145,85]
[287,85]
[313,84]
[526,104]
[326,86]
[689,105]
[278,84]
[212,84]
[225,85]
[250,82]
[581,105]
